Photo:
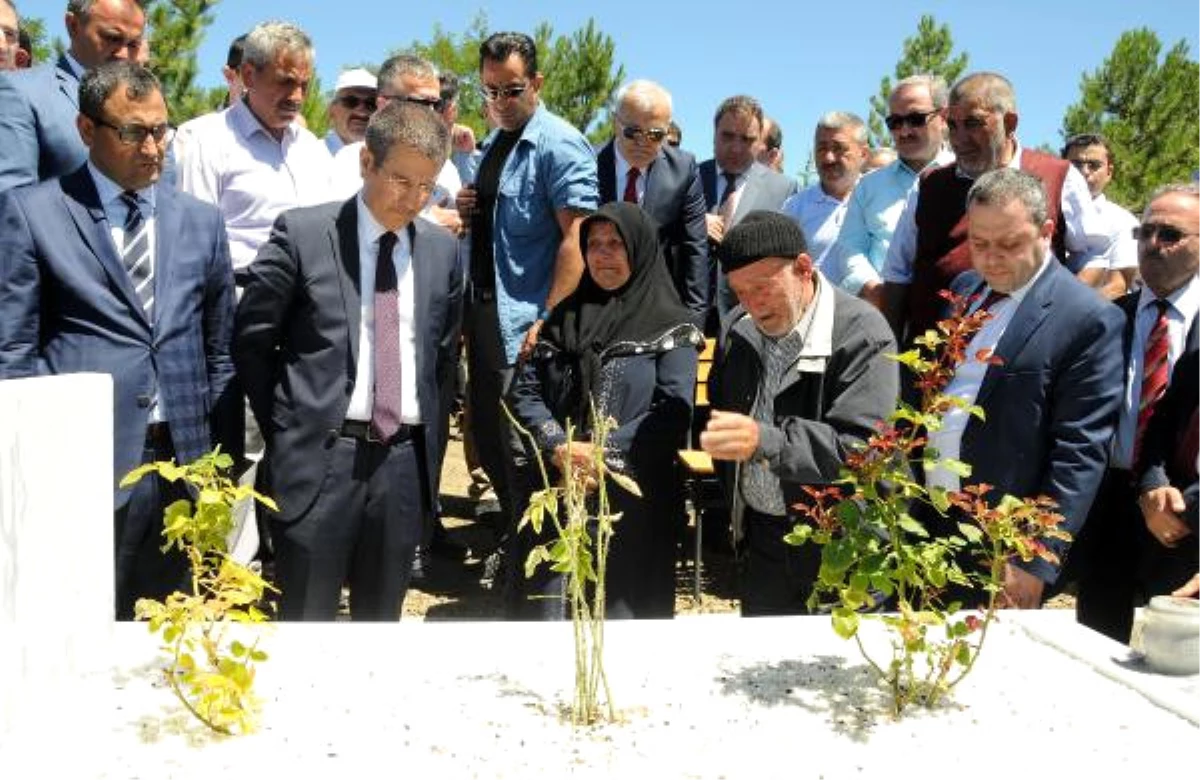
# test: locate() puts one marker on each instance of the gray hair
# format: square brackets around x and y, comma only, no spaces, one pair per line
[406,124]
[938,92]
[1004,185]
[400,65]
[643,94]
[1188,189]
[99,83]
[268,39]
[844,120]
[995,90]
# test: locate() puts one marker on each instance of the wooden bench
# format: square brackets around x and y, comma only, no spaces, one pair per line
[696,467]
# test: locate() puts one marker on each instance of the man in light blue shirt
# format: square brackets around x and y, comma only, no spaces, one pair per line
[918,126]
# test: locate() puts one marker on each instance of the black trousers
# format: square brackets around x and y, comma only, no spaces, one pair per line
[777,578]
[362,529]
[143,570]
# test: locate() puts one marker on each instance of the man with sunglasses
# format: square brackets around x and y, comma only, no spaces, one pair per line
[929,248]
[1116,272]
[917,125]
[106,270]
[1125,555]
[535,183]
[351,108]
[637,166]
[38,106]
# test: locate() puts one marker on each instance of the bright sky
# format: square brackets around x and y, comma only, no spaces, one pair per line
[798,59]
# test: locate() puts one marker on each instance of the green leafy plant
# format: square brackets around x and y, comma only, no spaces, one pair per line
[211,672]
[873,550]
[578,509]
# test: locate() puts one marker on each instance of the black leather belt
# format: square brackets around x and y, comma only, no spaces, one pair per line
[357,429]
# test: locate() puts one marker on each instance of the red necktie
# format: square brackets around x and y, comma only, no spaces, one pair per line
[993,297]
[631,186]
[1155,374]
[385,412]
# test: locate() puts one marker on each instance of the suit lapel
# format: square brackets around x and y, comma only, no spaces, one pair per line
[167,225]
[745,202]
[1026,320]
[343,240]
[83,204]
[606,167]
[67,81]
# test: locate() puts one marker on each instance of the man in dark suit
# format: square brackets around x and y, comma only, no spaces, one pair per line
[38,139]
[1051,404]
[734,182]
[1120,559]
[346,330]
[106,271]
[637,167]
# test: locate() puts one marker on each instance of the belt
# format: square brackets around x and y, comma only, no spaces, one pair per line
[357,429]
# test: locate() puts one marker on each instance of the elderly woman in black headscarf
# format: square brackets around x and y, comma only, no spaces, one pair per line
[624,342]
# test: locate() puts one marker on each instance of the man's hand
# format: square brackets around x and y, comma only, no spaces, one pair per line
[1190,589]
[730,436]
[531,337]
[576,456]
[465,201]
[1161,508]
[448,218]
[462,138]
[1022,590]
[715,224]
[872,293]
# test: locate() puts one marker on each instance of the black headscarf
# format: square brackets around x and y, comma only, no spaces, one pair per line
[591,319]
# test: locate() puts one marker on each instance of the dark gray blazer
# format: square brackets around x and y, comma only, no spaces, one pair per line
[296,340]
[764,189]
[38,137]
[676,202]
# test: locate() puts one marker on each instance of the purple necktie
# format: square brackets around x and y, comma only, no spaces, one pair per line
[385,412]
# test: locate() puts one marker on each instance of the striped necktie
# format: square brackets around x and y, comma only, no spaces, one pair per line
[1155,374]
[135,254]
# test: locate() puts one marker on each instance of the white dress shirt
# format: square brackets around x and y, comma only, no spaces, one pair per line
[623,168]
[1181,314]
[820,216]
[739,184]
[363,398]
[116,211]
[229,159]
[1086,237]
[1122,251]
[968,378]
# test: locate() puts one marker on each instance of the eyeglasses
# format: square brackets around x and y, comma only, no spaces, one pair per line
[652,134]
[492,94]
[914,119]
[1166,233]
[970,124]
[402,185]
[136,135]
[352,102]
[1087,166]
[435,103]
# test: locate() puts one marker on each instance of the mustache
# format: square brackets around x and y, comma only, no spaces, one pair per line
[288,105]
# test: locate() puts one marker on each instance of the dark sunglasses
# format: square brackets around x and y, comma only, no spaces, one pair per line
[354,101]
[1166,234]
[435,103]
[135,135]
[652,134]
[914,119]
[492,94]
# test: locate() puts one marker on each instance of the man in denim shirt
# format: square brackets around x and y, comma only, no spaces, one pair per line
[534,184]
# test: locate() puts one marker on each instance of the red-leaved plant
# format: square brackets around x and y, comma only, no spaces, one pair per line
[874,551]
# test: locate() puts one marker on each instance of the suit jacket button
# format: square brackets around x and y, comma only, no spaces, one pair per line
[331,439]
[143,401]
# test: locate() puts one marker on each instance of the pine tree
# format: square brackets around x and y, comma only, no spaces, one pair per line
[177,28]
[929,51]
[1148,108]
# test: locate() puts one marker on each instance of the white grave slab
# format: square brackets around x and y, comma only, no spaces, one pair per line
[700,697]
[56,526]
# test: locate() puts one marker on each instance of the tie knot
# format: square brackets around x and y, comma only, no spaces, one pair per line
[387,242]
[993,297]
[131,200]
[730,179]
[1162,306]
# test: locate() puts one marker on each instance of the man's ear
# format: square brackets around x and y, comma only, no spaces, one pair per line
[1010,123]
[87,129]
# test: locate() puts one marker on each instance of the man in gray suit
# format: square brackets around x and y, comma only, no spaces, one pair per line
[38,138]
[734,182]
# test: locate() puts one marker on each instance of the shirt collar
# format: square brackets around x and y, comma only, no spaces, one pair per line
[623,165]
[369,229]
[1185,299]
[76,68]
[943,157]
[1018,295]
[247,125]
[110,192]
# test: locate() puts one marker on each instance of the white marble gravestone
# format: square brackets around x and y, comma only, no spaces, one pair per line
[56,561]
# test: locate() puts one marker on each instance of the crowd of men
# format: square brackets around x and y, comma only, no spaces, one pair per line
[332,287]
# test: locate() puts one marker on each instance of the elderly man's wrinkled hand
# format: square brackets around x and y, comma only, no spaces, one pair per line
[730,436]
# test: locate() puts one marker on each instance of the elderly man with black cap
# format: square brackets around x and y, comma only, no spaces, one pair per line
[800,378]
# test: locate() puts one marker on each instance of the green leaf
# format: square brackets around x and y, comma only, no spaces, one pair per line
[799,534]
[845,622]
[625,482]
[970,532]
[957,467]
[536,557]
[908,524]
[939,497]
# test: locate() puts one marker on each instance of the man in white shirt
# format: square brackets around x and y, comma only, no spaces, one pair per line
[839,149]
[1117,270]
[351,108]
[254,160]
[916,120]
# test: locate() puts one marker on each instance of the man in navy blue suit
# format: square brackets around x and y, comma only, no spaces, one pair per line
[346,331]
[1051,404]
[104,270]
[38,139]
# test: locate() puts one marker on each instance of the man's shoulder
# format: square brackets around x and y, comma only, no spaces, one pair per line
[852,315]
[33,81]
[1074,300]
[553,128]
